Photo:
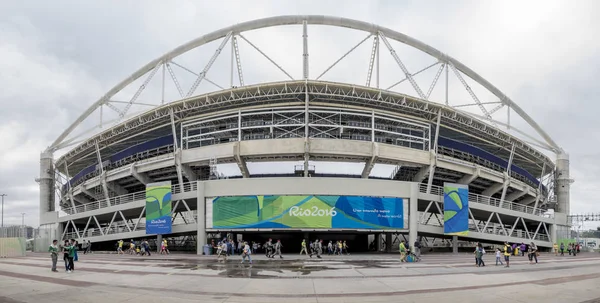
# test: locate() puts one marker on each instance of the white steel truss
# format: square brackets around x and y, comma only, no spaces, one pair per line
[231,35]
[434,215]
[119,223]
[291,92]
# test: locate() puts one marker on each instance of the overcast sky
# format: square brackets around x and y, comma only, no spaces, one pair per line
[58,57]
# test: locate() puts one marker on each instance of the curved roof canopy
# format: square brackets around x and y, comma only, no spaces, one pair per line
[384,33]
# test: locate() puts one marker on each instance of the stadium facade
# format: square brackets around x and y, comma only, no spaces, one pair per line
[99,181]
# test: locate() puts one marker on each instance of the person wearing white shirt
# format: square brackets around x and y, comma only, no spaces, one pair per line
[246,253]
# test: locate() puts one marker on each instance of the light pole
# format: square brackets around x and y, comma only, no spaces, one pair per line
[3,195]
[2,224]
[23,225]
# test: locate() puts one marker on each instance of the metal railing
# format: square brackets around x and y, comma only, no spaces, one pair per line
[475,198]
[128,198]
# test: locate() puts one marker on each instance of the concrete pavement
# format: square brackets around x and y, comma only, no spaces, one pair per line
[354,278]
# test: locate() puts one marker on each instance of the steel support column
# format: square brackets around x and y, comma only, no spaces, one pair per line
[69,188]
[176,152]
[433,152]
[539,195]
[102,176]
[507,174]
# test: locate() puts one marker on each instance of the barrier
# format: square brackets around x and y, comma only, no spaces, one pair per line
[12,247]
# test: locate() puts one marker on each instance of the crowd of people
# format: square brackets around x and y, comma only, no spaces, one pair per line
[141,248]
[572,248]
[229,247]
[504,253]
[69,252]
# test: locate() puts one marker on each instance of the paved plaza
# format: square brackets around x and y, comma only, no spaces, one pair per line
[354,278]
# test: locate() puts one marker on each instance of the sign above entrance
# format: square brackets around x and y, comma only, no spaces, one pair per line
[315,212]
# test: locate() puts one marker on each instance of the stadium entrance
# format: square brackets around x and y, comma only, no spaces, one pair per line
[357,242]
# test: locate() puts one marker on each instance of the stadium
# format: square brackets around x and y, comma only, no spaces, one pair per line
[204,141]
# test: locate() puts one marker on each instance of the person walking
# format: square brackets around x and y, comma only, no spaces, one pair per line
[533,253]
[246,252]
[479,252]
[53,250]
[345,248]
[76,257]
[418,250]
[278,247]
[402,249]
[498,257]
[72,250]
[269,252]
[317,246]
[507,252]
[120,247]
[474,252]
[88,248]
[65,251]
[303,247]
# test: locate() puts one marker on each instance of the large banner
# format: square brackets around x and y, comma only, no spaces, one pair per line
[158,208]
[456,209]
[318,212]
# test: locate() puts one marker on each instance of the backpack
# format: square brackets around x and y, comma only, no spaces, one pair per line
[509,249]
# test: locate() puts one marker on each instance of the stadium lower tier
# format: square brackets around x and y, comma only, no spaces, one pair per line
[355,210]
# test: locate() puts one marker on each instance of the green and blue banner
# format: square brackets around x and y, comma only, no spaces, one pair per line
[314,212]
[456,209]
[158,208]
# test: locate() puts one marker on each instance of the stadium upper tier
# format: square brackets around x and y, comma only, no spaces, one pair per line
[335,111]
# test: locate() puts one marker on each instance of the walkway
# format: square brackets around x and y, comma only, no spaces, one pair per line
[355,278]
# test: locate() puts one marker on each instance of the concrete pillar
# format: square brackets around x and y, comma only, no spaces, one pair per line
[378,239]
[413,214]
[455,245]
[159,239]
[46,184]
[201,233]
[563,183]
[388,242]
[553,233]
